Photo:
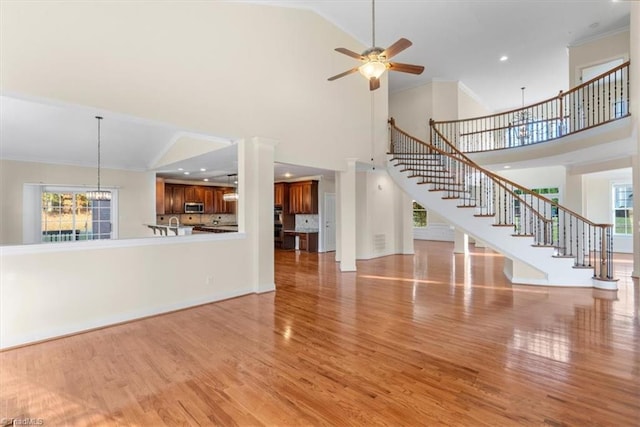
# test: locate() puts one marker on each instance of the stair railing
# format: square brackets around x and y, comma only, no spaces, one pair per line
[603,99]
[446,169]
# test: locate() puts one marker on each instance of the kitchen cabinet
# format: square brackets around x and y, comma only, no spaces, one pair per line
[307,240]
[220,206]
[209,206]
[170,198]
[303,197]
[173,199]
[281,196]
[194,193]
[159,196]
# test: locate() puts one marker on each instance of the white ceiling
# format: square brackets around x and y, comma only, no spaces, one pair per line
[462,40]
[455,40]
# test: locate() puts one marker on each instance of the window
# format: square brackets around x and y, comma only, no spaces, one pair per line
[622,209]
[67,215]
[419,215]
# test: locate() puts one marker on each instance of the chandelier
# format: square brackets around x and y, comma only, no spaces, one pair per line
[522,119]
[98,194]
[233,195]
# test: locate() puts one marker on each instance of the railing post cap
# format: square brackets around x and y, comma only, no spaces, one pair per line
[431,121]
[392,121]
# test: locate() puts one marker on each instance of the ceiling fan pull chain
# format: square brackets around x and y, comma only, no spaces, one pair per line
[373,23]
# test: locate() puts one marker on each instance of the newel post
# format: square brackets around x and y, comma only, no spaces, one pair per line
[606,249]
[561,113]
[392,124]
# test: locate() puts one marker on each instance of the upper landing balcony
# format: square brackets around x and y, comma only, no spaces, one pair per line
[587,124]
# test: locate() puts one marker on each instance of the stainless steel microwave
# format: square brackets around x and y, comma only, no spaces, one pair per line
[193,207]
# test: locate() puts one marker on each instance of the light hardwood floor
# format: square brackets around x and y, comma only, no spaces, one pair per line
[430,339]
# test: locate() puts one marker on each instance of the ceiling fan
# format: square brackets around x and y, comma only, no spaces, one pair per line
[375,60]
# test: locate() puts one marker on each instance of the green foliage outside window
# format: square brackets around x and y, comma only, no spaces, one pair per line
[419,215]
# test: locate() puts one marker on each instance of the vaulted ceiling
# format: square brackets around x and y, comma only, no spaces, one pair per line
[463,40]
[455,40]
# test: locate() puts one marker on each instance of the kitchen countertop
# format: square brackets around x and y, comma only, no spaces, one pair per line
[216,227]
[302,230]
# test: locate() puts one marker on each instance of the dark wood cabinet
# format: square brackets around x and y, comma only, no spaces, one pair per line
[220,206]
[160,196]
[303,197]
[194,193]
[281,196]
[307,241]
[173,199]
[209,205]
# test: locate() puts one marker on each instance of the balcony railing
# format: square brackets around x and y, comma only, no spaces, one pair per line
[601,100]
[447,169]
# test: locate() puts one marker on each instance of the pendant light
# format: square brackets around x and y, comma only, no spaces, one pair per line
[98,195]
[231,196]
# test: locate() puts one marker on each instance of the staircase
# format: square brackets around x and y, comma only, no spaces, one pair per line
[565,248]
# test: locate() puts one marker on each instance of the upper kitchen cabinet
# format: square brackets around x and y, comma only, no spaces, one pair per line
[173,198]
[159,196]
[209,200]
[281,195]
[194,193]
[220,206]
[303,197]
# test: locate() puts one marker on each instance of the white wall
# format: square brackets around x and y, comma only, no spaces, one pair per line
[598,202]
[596,52]
[378,221]
[67,288]
[219,68]
[136,195]
[469,104]
[551,176]
[412,109]
[324,186]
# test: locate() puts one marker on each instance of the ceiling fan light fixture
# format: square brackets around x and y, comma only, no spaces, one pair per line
[372,69]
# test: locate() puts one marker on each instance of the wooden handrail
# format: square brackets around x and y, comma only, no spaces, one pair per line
[465,160]
[550,223]
[560,95]
[598,77]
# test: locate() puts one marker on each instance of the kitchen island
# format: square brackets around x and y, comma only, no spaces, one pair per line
[307,239]
[216,228]
[165,229]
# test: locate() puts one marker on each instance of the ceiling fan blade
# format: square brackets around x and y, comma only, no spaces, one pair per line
[374,83]
[346,73]
[405,68]
[349,53]
[396,48]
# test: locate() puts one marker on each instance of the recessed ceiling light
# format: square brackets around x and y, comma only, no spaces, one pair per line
[287,175]
[203,170]
[206,179]
[186,173]
[504,58]
[180,169]
[507,167]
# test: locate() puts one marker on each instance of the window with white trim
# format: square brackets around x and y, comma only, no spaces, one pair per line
[622,209]
[419,215]
[67,215]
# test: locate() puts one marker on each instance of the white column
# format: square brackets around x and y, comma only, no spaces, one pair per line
[461,242]
[404,221]
[347,209]
[634,108]
[338,218]
[255,208]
